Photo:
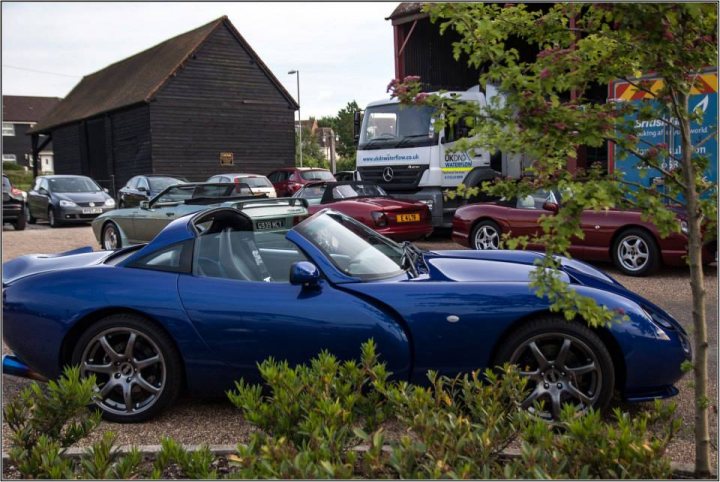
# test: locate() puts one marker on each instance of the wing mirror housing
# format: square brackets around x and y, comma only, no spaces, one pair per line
[550,206]
[144,204]
[357,122]
[304,273]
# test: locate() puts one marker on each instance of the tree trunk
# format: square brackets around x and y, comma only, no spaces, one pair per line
[697,286]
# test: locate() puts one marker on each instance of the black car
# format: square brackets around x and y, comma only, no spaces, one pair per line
[13,205]
[67,199]
[144,188]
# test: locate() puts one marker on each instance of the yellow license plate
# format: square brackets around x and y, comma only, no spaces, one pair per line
[407,218]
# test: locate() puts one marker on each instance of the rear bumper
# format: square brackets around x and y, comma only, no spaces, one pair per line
[406,233]
[12,211]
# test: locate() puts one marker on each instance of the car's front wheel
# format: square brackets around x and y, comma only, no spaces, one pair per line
[137,368]
[111,237]
[565,363]
[52,218]
[486,235]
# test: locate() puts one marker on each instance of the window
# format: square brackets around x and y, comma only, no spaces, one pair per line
[176,258]
[9,157]
[8,129]
[132,183]
[317,175]
[536,200]
[142,183]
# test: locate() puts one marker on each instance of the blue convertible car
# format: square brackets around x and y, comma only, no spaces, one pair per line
[204,301]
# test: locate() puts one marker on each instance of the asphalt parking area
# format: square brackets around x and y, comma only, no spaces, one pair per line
[193,421]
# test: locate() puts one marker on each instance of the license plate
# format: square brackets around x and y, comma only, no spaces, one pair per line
[92,210]
[274,224]
[407,218]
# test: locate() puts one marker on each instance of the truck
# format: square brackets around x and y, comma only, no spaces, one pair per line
[399,149]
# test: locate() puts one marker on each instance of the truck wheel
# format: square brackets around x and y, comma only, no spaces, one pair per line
[486,235]
[565,362]
[136,365]
[635,253]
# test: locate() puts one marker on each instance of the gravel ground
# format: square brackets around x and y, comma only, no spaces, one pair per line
[217,422]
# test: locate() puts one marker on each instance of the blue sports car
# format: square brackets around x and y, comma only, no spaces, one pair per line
[209,297]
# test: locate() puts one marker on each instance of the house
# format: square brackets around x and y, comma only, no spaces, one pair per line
[195,105]
[20,113]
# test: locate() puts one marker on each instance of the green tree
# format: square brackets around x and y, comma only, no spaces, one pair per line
[547,113]
[342,124]
[312,152]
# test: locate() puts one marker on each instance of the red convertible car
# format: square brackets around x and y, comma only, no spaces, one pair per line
[371,205]
[621,236]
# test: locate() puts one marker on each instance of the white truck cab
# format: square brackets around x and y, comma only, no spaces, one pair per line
[399,149]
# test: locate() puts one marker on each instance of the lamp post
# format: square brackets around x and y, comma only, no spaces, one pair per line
[297,75]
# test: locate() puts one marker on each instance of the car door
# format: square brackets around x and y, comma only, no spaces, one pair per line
[39,199]
[141,191]
[279,180]
[126,193]
[246,321]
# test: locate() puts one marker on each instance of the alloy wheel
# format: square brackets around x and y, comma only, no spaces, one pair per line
[561,369]
[633,253]
[129,369]
[110,238]
[487,237]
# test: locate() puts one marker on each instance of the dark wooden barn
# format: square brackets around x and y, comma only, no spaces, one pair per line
[195,105]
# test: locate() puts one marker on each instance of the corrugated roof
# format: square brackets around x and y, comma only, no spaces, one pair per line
[23,108]
[138,78]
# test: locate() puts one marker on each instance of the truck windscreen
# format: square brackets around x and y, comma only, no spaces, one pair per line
[395,125]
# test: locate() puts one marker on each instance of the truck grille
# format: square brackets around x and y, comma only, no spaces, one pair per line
[401,177]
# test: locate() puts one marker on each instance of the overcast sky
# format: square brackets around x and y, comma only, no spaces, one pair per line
[344,51]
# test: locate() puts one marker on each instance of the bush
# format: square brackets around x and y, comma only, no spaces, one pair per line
[19,178]
[12,166]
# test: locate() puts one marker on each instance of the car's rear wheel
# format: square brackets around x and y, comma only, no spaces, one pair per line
[111,237]
[565,363]
[136,365]
[52,218]
[635,253]
[486,235]
[20,222]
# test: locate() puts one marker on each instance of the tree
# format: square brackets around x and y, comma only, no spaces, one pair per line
[312,152]
[548,112]
[342,124]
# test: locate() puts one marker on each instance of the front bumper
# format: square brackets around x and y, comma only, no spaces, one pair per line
[76,214]
[12,211]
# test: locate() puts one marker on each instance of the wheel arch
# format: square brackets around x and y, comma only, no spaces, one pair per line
[74,334]
[123,237]
[603,333]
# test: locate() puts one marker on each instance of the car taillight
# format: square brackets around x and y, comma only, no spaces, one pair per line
[294,186]
[380,219]
[16,192]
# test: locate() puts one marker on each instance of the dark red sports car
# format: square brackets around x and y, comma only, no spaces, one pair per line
[288,180]
[370,204]
[620,236]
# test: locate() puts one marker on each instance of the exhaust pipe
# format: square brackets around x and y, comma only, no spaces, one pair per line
[11,365]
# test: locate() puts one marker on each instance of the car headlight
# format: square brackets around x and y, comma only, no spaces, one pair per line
[67,204]
[684,227]
[110,202]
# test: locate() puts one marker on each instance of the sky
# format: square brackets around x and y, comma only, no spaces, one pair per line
[344,51]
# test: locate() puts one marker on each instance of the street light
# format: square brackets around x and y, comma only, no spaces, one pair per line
[297,74]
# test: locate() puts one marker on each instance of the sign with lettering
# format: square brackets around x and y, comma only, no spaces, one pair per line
[226,159]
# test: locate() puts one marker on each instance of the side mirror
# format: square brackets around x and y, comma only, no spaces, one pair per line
[357,122]
[43,191]
[304,273]
[144,204]
[552,207]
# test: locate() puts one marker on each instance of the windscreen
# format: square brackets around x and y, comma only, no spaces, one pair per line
[72,184]
[395,125]
[160,183]
[317,175]
[256,181]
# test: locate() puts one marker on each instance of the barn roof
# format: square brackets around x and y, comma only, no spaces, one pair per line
[140,77]
[406,12]
[23,108]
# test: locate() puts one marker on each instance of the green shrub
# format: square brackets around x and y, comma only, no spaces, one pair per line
[21,179]
[12,166]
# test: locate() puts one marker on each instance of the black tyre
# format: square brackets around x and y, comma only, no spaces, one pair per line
[566,362]
[635,253]
[20,222]
[52,218]
[136,365]
[486,235]
[30,218]
[110,239]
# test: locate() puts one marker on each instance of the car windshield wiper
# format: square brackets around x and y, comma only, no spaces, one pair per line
[379,139]
[405,140]
[410,258]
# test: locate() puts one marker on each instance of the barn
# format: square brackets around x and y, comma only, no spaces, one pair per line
[195,105]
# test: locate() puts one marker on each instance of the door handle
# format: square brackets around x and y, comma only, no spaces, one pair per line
[169,214]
